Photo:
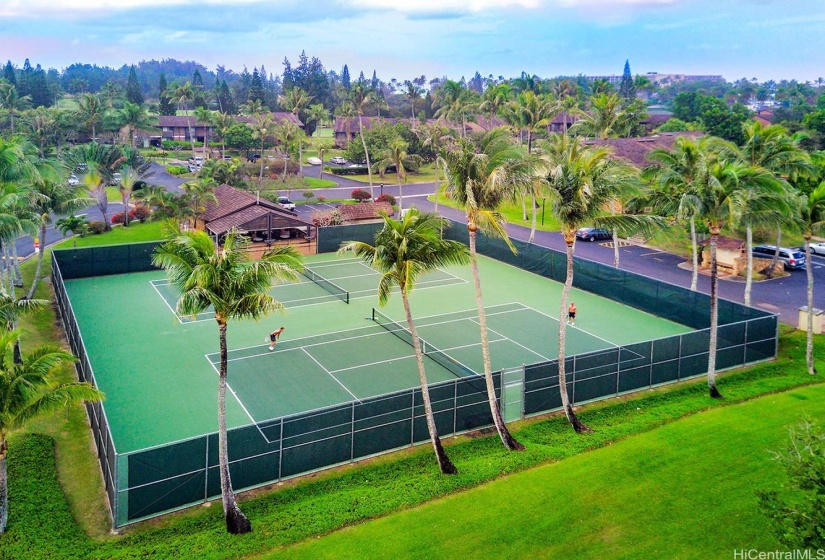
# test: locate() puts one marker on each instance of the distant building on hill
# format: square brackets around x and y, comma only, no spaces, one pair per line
[662,79]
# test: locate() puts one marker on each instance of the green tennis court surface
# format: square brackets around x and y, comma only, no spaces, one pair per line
[159,374]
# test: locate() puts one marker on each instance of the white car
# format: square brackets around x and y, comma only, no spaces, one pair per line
[314,161]
[73,180]
[338,160]
[818,248]
[285,203]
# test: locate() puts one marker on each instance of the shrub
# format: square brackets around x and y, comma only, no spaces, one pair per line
[321,198]
[141,213]
[176,169]
[97,227]
[118,218]
[360,195]
[386,198]
[309,195]
[359,170]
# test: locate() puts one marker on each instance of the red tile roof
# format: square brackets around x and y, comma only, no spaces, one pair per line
[635,150]
[364,211]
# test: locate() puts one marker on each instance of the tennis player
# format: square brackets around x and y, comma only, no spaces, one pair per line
[571,314]
[274,336]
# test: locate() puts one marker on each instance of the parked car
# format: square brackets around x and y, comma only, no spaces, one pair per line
[592,234]
[227,158]
[73,180]
[818,248]
[338,160]
[116,177]
[314,161]
[253,157]
[284,202]
[791,258]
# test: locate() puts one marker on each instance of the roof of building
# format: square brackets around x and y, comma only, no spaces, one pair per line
[236,207]
[635,150]
[365,211]
[180,121]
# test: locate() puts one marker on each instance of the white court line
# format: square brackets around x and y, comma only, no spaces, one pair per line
[475,311]
[545,358]
[266,439]
[178,317]
[311,357]
[372,363]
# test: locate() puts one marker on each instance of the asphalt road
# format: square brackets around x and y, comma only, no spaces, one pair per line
[781,295]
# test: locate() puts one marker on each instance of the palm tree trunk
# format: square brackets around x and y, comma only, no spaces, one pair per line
[694,276]
[532,218]
[437,184]
[9,270]
[261,176]
[189,128]
[615,248]
[444,462]
[776,254]
[524,208]
[506,437]
[366,153]
[39,268]
[236,521]
[809,343]
[749,264]
[300,156]
[4,489]
[18,276]
[400,190]
[714,319]
[565,294]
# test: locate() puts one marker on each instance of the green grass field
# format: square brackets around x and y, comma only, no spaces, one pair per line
[685,490]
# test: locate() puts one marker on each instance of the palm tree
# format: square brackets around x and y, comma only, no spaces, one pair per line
[404,251]
[96,187]
[18,170]
[452,97]
[263,127]
[90,111]
[347,112]
[163,202]
[581,181]
[41,127]
[221,123]
[361,96]
[28,390]
[198,194]
[76,225]
[295,101]
[396,156]
[495,98]
[207,118]
[11,101]
[134,117]
[182,95]
[605,118]
[52,195]
[812,214]
[11,309]
[413,93]
[317,114]
[224,279]
[322,148]
[479,179]
[435,136]
[287,133]
[126,186]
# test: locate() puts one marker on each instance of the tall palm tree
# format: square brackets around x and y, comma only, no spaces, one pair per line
[453,97]
[96,187]
[18,171]
[317,114]
[164,203]
[812,218]
[40,126]
[126,186]
[28,390]
[182,95]
[206,117]
[134,117]
[581,181]
[404,251]
[361,95]
[435,136]
[221,123]
[480,177]
[296,101]
[198,194]
[412,92]
[495,98]
[90,111]
[396,155]
[287,133]
[263,128]
[11,101]
[52,195]
[235,288]
[606,119]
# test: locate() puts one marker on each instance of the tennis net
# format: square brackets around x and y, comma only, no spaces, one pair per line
[450,364]
[328,285]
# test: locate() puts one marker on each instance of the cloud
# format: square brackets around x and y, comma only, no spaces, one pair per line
[30,8]
[437,6]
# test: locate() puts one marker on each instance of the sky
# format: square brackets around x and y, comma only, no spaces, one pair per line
[403,39]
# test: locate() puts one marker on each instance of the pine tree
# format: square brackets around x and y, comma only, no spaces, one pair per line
[256,87]
[197,85]
[345,80]
[133,92]
[628,87]
[288,81]
[9,74]
[374,81]
[226,103]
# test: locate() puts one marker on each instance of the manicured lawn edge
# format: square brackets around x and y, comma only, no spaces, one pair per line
[321,503]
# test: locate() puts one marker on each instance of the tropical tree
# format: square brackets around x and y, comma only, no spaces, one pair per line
[317,113]
[207,117]
[76,225]
[479,178]
[18,170]
[163,203]
[133,117]
[454,101]
[51,195]
[581,181]
[28,390]
[412,91]
[606,119]
[404,251]
[11,101]
[396,156]
[360,96]
[296,101]
[182,95]
[40,125]
[90,111]
[287,133]
[263,128]
[198,194]
[812,220]
[347,112]
[435,136]
[126,187]
[96,187]
[224,280]
[495,98]
[221,123]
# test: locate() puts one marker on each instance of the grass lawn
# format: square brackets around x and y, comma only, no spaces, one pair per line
[512,212]
[685,490]
[136,233]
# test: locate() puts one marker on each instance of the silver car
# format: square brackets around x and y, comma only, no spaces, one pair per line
[818,248]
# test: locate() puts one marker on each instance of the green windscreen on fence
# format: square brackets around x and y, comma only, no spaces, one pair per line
[330,238]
